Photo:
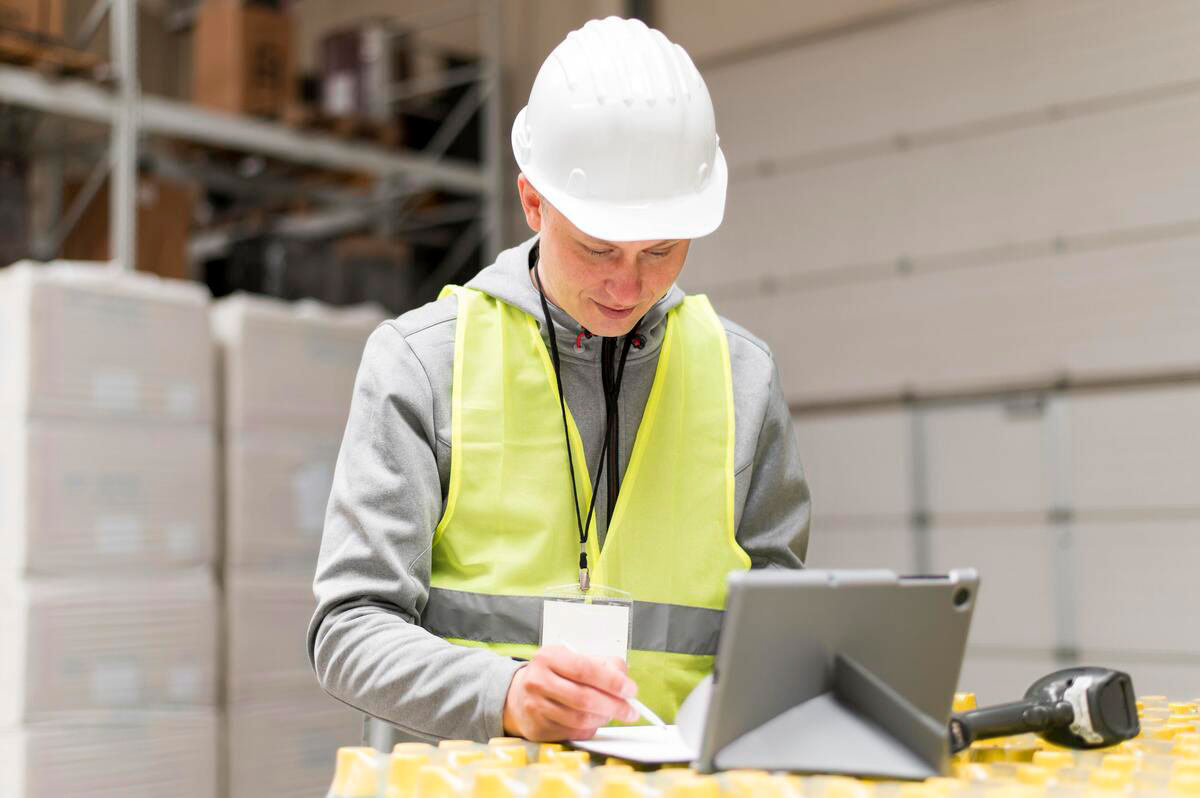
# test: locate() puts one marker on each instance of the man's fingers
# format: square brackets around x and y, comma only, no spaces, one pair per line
[592,671]
[582,698]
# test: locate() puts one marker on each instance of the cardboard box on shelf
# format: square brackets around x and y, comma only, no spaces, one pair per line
[289,364]
[242,60]
[86,498]
[104,754]
[74,644]
[164,222]
[42,17]
[84,341]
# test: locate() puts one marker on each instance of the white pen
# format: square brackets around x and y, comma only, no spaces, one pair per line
[646,712]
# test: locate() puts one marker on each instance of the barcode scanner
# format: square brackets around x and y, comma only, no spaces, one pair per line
[1083,707]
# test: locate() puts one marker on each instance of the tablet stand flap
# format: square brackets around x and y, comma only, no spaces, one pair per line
[860,726]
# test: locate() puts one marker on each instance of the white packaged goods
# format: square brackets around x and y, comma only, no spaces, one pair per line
[266,624]
[287,749]
[73,645]
[86,497]
[289,363]
[88,341]
[277,485]
[130,755]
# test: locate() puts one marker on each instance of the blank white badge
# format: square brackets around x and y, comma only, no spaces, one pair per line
[598,630]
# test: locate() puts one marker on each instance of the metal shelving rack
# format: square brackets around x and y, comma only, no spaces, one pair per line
[132,116]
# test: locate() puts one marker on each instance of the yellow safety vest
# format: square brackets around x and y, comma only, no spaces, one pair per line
[509,532]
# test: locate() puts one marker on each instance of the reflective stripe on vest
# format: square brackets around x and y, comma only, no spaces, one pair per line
[518,619]
[508,532]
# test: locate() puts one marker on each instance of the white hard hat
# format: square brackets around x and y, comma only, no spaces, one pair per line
[619,135]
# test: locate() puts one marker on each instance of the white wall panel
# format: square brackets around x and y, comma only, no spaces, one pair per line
[1125,310]
[861,547]
[1138,586]
[1179,681]
[1015,605]
[986,458]
[857,464]
[975,61]
[996,677]
[1128,168]
[1135,449]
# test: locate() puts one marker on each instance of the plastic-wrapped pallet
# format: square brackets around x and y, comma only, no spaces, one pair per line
[289,363]
[78,497]
[286,749]
[131,755]
[76,645]
[266,627]
[277,485]
[87,341]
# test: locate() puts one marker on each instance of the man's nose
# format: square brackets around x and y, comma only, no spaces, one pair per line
[624,284]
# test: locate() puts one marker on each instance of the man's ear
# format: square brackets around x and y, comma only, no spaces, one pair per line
[531,203]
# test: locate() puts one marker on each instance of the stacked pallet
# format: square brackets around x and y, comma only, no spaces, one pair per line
[288,374]
[107,519]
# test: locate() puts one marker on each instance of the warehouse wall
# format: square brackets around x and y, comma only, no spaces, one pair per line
[970,234]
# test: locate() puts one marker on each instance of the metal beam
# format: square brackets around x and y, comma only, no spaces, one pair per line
[83,100]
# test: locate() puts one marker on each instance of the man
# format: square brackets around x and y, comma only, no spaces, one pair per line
[568,416]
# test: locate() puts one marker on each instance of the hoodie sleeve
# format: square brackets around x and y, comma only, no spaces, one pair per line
[372,578]
[774,523]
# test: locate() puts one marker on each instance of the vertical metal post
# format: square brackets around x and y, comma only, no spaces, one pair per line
[922,543]
[122,231]
[491,50]
[1056,439]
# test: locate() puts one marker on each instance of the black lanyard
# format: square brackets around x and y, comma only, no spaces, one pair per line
[610,400]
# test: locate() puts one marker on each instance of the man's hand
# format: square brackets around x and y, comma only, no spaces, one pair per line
[562,695]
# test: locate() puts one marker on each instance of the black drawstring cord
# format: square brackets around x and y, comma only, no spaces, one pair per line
[584,581]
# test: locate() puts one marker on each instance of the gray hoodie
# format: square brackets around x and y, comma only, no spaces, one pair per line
[389,488]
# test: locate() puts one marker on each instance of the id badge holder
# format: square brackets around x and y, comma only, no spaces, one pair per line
[597,623]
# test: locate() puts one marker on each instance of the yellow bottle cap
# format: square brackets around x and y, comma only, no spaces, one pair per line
[751,784]
[506,741]
[412,748]
[496,783]
[402,773]
[1107,779]
[620,785]
[1185,785]
[612,760]
[1189,720]
[1034,775]
[1183,708]
[1053,760]
[457,758]
[455,745]
[435,781]
[576,760]
[843,787]
[356,774]
[1122,762]
[546,749]
[1168,731]
[1186,767]
[559,784]
[514,755]
[944,786]
[964,702]
[916,791]
[694,787]
[1188,738]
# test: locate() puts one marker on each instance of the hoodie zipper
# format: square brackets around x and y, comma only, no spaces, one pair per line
[608,351]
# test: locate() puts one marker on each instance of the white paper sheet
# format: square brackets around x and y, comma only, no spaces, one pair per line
[645,744]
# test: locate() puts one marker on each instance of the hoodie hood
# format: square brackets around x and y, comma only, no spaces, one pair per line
[508,280]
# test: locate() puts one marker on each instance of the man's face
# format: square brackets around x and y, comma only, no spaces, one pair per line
[604,285]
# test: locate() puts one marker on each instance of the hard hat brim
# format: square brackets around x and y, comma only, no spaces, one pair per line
[690,216]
